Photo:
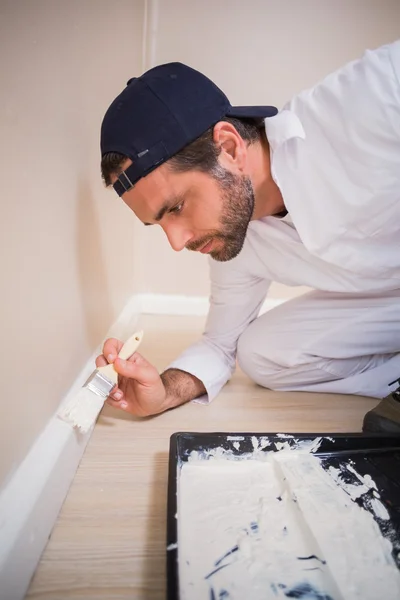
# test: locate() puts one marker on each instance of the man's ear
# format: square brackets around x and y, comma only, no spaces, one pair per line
[233,149]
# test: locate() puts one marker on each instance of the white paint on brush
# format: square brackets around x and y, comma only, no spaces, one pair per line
[82,410]
[277,527]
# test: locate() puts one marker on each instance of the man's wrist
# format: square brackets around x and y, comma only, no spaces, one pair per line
[180,387]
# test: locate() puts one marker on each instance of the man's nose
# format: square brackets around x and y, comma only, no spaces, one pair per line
[177,236]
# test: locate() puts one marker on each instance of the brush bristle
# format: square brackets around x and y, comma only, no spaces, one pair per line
[82,410]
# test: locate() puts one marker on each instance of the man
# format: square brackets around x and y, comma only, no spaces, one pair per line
[309,196]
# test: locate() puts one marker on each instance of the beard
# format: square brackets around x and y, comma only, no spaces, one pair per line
[237,209]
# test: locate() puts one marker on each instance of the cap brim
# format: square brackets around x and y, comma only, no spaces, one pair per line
[252,111]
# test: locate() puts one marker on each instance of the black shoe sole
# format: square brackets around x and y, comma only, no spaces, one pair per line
[374,423]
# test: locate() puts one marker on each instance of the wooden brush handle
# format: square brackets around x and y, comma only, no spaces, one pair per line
[129,348]
[131,345]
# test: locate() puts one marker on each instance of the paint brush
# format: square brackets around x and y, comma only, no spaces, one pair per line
[83,410]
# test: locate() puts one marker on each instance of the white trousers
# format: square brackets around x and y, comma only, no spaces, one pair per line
[326,342]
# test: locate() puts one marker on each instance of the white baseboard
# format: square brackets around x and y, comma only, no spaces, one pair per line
[30,503]
[32,499]
[166,304]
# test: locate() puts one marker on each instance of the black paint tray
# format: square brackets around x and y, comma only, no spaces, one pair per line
[375,455]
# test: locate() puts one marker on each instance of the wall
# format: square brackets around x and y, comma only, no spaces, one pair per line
[261,52]
[68,245]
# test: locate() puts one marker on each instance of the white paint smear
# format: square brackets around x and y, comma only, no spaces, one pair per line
[354,490]
[358,556]
[281,527]
[172,547]
[379,509]
[260,443]
[299,445]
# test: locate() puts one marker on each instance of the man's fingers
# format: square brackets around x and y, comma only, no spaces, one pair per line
[111,348]
[110,351]
[117,394]
[136,368]
[101,361]
[121,404]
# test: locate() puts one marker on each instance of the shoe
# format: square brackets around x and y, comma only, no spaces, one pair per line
[384,418]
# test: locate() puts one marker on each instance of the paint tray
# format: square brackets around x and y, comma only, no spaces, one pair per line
[377,456]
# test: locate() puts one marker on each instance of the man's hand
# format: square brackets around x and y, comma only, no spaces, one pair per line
[141,390]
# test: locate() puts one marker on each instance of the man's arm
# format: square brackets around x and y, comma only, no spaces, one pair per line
[235,301]
[181,387]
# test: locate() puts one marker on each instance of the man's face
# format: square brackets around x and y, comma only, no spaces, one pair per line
[195,210]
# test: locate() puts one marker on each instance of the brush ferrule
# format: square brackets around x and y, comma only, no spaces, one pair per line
[99,384]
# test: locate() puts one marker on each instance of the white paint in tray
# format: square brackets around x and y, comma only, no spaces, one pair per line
[277,525]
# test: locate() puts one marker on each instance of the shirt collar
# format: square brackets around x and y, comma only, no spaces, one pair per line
[284,126]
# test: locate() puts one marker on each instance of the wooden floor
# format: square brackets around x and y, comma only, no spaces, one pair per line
[109,540]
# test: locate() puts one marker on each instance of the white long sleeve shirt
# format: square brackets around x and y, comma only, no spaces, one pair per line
[335,155]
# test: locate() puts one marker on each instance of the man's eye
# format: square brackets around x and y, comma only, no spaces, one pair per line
[177,209]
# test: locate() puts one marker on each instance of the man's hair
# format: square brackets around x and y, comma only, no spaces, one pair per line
[200,155]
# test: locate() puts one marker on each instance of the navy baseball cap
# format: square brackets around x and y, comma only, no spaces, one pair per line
[160,113]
